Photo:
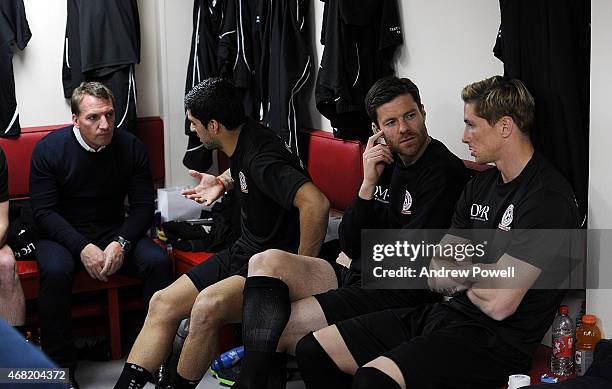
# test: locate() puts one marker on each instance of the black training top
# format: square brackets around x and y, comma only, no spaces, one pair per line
[539,198]
[422,195]
[267,175]
[4,195]
[14,31]
[78,196]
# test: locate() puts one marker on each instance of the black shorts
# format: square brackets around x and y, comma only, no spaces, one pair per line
[351,301]
[434,346]
[226,263]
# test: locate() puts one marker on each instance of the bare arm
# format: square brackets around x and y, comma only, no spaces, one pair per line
[449,286]
[500,297]
[314,210]
[4,222]
[497,297]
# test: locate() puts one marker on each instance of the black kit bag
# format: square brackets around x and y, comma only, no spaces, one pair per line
[223,231]
[22,235]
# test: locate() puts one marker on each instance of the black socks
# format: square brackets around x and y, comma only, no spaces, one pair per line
[370,377]
[133,377]
[265,313]
[183,383]
[318,370]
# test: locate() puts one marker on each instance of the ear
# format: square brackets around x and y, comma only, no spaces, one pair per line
[422,108]
[375,128]
[75,120]
[215,126]
[506,126]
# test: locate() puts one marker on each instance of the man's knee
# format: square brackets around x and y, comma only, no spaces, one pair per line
[207,312]
[8,266]
[268,263]
[370,377]
[163,306]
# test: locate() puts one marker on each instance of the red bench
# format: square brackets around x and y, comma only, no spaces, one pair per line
[18,152]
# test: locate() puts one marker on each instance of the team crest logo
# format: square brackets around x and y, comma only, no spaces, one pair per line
[243,184]
[407,204]
[507,218]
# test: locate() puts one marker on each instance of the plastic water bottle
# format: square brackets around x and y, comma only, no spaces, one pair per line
[587,336]
[562,358]
[228,358]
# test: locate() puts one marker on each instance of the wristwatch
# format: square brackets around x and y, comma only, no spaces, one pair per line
[124,243]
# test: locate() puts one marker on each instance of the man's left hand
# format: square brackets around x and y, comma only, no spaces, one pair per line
[114,259]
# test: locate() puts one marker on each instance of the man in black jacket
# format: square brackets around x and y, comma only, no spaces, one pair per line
[80,176]
[411,181]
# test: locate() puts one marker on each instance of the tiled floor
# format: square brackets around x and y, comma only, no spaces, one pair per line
[102,375]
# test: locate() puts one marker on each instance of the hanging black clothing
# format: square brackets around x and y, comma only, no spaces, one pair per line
[546,45]
[14,31]
[360,39]
[286,64]
[208,17]
[102,43]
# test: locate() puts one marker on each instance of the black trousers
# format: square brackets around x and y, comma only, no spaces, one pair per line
[57,267]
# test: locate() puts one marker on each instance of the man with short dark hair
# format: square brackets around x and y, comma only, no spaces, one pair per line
[79,179]
[490,327]
[12,302]
[280,208]
[411,181]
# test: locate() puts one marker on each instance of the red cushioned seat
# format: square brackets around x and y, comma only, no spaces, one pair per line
[185,260]
[335,166]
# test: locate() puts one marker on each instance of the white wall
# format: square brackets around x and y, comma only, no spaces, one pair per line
[38,69]
[599,301]
[447,44]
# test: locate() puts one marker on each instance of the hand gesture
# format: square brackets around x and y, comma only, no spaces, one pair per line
[344,260]
[93,260]
[207,191]
[375,158]
[113,259]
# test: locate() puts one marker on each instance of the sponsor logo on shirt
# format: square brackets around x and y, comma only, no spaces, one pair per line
[243,184]
[381,194]
[479,212]
[396,29]
[507,218]
[407,204]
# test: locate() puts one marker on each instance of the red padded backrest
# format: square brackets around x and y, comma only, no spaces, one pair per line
[19,151]
[151,131]
[335,166]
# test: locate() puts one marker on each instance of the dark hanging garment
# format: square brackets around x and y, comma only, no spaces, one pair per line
[208,18]
[546,44]
[360,39]
[14,31]
[102,43]
[286,64]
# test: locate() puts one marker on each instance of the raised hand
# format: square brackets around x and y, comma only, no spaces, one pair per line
[375,158]
[209,189]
